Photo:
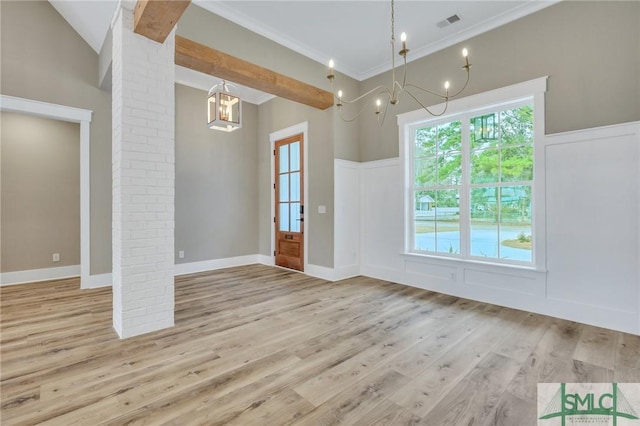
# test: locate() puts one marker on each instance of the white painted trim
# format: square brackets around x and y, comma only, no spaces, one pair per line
[273,138]
[212,265]
[100,280]
[321,272]
[35,275]
[44,109]
[74,115]
[266,260]
[614,130]
[389,162]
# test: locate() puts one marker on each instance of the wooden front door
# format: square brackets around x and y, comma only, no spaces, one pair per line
[289,199]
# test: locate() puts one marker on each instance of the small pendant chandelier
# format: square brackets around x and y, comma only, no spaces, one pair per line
[224,108]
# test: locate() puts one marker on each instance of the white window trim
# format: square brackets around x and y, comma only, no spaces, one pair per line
[530,89]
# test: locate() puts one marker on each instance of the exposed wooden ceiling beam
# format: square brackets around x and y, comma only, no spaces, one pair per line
[155,19]
[204,59]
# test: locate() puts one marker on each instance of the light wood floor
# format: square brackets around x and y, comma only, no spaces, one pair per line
[263,346]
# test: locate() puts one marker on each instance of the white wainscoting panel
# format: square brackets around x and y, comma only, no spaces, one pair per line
[346,258]
[592,182]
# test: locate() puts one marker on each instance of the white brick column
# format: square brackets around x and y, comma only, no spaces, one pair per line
[143,167]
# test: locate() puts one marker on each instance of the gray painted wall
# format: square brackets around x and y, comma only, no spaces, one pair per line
[278,114]
[589,50]
[40,190]
[44,59]
[216,182]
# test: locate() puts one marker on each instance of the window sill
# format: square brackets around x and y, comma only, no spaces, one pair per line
[454,261]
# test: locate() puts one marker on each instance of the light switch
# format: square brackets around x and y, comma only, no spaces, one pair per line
[322,209]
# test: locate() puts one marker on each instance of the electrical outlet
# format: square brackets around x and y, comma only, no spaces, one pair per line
[56,257]
[181,254]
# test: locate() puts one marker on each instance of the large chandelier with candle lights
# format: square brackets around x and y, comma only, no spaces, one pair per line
[390,95]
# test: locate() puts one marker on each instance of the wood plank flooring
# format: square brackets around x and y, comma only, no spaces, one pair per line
[258,345]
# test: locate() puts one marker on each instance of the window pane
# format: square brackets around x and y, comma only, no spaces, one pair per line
[284,187]
[295,156]
[450,137]
[484,222]
[425,225]
[425,172]
[283,155]
[484,133]
[515,217]
[516,126]
[516,164]
[450,169]
[284,217]
[447,212]
[295,186]
[425,142]
[484,166]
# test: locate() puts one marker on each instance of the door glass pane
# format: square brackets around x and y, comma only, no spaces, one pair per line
[295,186]
[295,156]
[448,221]
[284,216]
[484,222]
[284,158]
[295,217]
[284,187]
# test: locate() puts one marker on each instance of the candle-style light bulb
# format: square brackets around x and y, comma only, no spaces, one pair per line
[339,94]
[403,39]
[465,55]
[378,103]
[446,85]
[331,64]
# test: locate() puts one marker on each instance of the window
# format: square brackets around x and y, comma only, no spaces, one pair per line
[471,184]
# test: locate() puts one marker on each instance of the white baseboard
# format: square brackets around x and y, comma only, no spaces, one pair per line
[344,272]
[35,275]
[97,281]
[210,265]
[321,272]
[333,274]
[266,260]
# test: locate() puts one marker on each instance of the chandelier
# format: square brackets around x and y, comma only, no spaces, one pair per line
[223,108]
[391,94]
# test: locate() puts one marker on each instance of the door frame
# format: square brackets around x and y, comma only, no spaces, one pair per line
[73,115]
[273,138]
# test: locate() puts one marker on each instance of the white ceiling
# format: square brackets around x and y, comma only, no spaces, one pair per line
[355,34]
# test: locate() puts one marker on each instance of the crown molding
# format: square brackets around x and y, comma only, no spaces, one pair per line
[254,25]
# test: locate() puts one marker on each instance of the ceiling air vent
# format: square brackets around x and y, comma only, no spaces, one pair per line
[450,20]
